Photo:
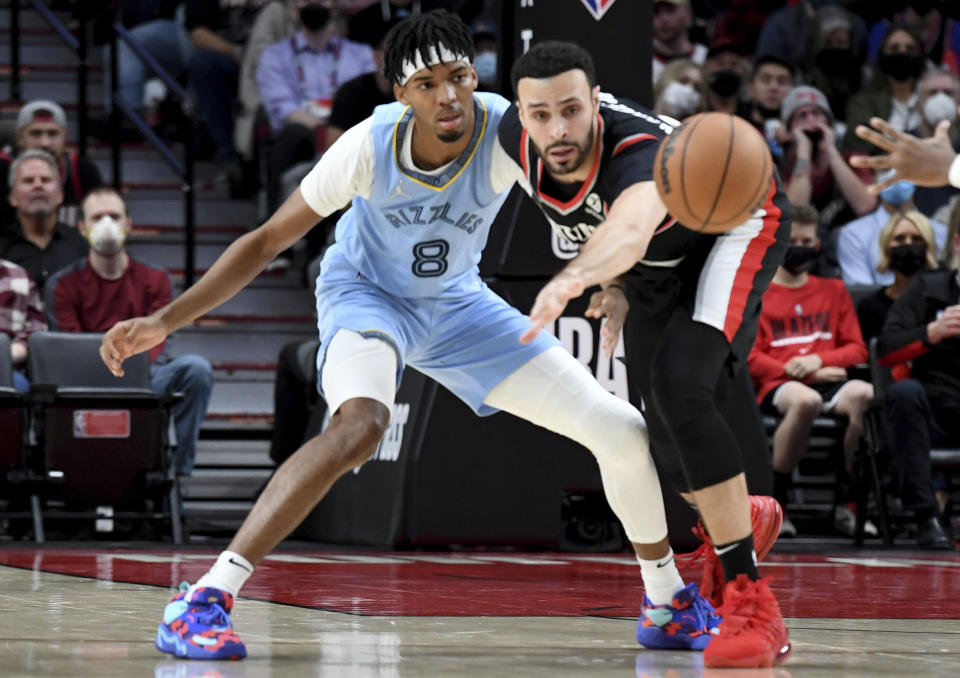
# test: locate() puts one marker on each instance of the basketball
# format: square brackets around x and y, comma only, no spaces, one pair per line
[713,172]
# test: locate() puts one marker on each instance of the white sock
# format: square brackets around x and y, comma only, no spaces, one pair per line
[660,578]
[229,573]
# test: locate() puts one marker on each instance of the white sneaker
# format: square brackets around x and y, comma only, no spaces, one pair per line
[787,528]
[845,520]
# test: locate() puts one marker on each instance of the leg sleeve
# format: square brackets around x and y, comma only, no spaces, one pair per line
[553,390]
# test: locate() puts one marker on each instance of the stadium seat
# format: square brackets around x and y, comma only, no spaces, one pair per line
[103,443]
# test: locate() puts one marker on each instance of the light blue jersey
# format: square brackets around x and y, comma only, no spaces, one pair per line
[419,235]
[404,268]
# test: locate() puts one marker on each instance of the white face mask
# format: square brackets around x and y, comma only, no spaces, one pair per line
[486,65]
[680,100]
[940,106]
[106,236]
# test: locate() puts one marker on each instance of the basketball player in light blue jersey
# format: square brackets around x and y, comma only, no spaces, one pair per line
[425,178]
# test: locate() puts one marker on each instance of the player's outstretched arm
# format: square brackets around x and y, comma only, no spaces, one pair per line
[619,243]
[240,263]
[924,162]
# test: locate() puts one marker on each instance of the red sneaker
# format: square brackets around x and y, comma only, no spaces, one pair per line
[766,516]
[752,634]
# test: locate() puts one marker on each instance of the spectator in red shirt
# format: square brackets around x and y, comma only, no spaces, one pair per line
[95,293]
[21,314]
[808,337]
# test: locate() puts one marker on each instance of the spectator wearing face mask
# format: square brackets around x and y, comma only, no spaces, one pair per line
[790,31]
[807,338]
[922,328]
[907,246]
[724,70]
[681,90]
[837,62]
[892,94]
[671,35]
[938,98]
[298,79]
[813,168]
[485,54]
[108,286]
[858,247]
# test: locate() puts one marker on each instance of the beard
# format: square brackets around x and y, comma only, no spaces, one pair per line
[451,137]
[575,161]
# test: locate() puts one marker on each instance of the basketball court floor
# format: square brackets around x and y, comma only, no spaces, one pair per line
[83,612]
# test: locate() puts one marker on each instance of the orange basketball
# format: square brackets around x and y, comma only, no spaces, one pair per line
[713,172]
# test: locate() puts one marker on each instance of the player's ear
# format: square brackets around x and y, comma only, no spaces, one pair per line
[400,93]
[595,96]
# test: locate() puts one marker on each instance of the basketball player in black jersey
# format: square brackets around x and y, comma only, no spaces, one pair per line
[694,300]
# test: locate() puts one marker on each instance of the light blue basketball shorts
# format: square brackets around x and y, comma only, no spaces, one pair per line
[469,343]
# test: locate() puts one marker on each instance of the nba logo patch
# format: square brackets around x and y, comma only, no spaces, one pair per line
[598,7]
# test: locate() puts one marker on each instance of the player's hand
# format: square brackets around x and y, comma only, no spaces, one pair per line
[830,373]
[550,303]
[924,162]
[802,366]
[946,326]
[611,304]
[128,338]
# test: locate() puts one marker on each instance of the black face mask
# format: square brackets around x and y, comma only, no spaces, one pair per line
[901,66]
[725,83]
[815,136]
[908,259]
[800,259]
[314,17]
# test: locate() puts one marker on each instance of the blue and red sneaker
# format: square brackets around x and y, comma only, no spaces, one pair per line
[196,625]
[688,623]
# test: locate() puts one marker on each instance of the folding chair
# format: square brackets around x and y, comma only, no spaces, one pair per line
[102,442]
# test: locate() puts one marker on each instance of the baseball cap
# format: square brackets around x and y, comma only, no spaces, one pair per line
[40,110]
[483,28]
[802,96]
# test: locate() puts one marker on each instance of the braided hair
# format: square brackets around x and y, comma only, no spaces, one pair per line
[418,35]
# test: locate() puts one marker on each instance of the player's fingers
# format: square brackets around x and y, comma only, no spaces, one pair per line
[874,137]
[876,188]
[877,162]
[532,332]
[891,133]
[595,309]
[114,365]
[943,131]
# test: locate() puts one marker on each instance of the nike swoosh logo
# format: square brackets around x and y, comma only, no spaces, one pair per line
[725,549]
[240,565]
[664,563]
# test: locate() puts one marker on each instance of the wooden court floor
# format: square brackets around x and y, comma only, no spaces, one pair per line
[85,612]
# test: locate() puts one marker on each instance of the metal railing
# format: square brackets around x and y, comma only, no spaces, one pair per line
[78,43]
[183,169]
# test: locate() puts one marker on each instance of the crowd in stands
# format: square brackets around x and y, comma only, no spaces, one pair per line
[275,82]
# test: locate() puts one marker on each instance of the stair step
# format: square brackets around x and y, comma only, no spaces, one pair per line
[234,453]
[234,483]
[168,208]
[63,92]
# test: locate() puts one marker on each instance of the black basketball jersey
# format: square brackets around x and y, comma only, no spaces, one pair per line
[629,137]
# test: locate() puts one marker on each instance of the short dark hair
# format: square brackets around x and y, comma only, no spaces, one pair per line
[772,59]
[805,214]
[103,189]
[550,58]
[415,34]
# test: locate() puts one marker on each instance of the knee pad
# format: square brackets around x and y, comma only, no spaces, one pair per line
[355,366]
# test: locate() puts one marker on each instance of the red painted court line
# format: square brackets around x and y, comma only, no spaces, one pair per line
[500,584]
